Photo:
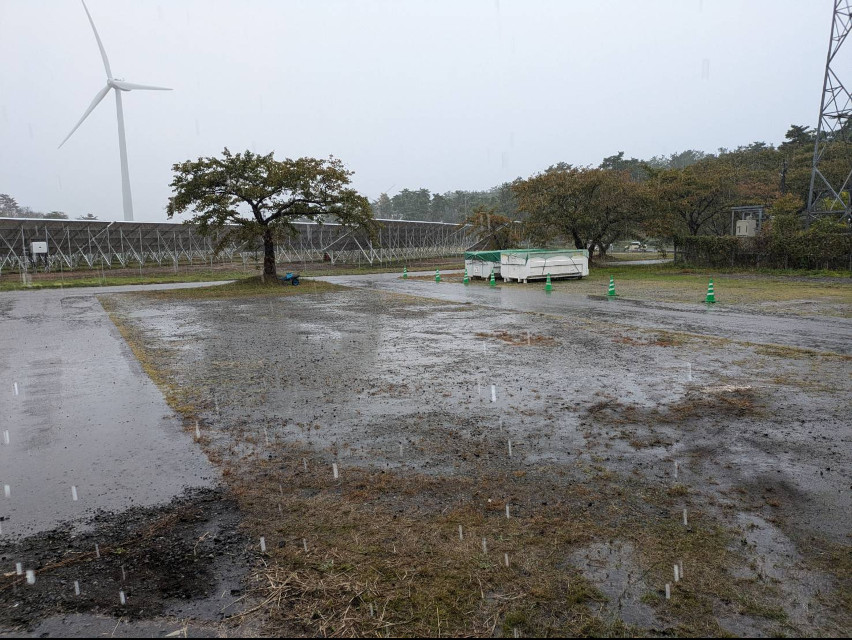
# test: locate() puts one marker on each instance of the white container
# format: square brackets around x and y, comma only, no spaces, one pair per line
[481,268]
[536,265]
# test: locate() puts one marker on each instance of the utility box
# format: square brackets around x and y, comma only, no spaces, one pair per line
[38,247]
[746,228]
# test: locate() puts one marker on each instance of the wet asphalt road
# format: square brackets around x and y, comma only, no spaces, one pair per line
[80,412]
[821,333]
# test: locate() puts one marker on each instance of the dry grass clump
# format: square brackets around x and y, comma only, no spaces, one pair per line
[390,540]
[724,401]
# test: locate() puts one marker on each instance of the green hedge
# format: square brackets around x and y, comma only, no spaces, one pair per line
[811,249]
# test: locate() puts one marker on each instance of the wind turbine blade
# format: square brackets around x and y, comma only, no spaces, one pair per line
[98,38]
[127,86]
[100,96]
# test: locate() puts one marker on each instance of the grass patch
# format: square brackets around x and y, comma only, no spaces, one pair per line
[797,353]
[350,270]
[724,401]
[91,279]
[806,293]
[156,274]
[245,288]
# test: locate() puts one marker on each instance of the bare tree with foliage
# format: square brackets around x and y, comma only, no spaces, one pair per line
[246,196]
[9,206]
[591,207]
[492,230]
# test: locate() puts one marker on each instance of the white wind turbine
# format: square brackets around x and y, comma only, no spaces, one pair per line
[119,85]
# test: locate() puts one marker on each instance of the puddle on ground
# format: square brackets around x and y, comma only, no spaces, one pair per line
[611,568]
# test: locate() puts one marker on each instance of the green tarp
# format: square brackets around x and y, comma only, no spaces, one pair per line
[484,256]
[494,256]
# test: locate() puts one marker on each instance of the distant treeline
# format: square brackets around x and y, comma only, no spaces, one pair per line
[757,173]
[664,198]
[9,208]
[457,206]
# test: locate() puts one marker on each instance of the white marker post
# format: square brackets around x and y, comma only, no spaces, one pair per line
[16,388]
[510,448]
[30,576]
[7,491]
[676,573]
[262,544]
[507,511]
[461,535]
[684,518]
[6,436]
[121,598]
[74,493]
[506,559]
[19,569]
[680,566]
[676,468]
[484,546]
[334,470]
[305,544]
[76,588]
[493,393]
[668,591]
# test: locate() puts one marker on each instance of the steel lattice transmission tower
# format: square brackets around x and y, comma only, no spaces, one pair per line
[834,132]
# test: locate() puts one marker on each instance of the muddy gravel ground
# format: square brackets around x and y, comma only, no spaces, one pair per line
[144,571]
[425,467]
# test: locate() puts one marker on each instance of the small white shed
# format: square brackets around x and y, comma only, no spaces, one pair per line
[481,264]
[537,264]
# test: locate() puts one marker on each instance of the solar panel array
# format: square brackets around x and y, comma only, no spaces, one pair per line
[81,243]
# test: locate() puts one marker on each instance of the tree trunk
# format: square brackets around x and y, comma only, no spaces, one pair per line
[268,254]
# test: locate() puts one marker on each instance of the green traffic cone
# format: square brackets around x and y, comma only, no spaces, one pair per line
[437,276]
[492,283]
[547,286]
[611,293]
[405,272]
[711,294]
[466,279]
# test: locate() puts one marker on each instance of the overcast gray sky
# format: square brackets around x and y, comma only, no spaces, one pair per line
[456,94]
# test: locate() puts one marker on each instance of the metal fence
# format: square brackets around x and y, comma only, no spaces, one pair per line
[74,244]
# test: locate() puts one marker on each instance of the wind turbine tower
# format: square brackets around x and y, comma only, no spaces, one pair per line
[119,86]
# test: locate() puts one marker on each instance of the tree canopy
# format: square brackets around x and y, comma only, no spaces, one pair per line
[492,230]
[250,196]
[589,207]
